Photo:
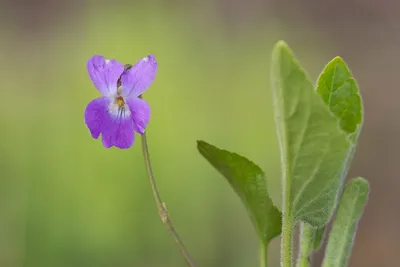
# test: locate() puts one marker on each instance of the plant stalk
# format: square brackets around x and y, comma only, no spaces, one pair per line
[287,225]
[263,254]
[287,242]
[162,208]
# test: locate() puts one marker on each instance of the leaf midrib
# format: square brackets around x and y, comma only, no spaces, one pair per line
[332,83]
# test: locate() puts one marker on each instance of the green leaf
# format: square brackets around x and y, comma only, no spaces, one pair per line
[315,150]
[318,237]
[344,227]
[307,236]
[310,241]
[248,181]
[340,92]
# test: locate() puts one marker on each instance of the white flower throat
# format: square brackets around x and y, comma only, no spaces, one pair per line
[118,106]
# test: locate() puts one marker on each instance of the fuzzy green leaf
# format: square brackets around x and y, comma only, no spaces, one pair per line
[249,183]
[318,237]
[310,241]
[340,93]
[350,209]
[316,140]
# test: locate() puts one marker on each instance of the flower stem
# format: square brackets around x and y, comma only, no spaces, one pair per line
[162,208]
[263,254]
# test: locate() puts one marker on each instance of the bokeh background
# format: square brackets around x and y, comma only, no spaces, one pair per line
[66,201]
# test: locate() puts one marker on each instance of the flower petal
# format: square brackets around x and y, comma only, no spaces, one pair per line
[96,115]
[136,80]
[104,74]
[140,110]
[118,130]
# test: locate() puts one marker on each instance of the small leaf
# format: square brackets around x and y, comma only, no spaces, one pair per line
[350,209]
[340,92]
[315,150]
[318,237]
[248,181]
[307,236]
[310,241]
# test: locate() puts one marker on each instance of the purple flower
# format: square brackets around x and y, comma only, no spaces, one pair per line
[120,111]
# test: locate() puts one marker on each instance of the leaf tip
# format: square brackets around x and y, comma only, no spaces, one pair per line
[358,187]
[281,46]
[201,145]
[281,43]
[360,182]
[339,61]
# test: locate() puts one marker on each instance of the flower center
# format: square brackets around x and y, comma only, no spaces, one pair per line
[118,107]
[120,101]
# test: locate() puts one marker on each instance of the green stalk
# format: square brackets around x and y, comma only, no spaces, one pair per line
[263,254]
[162,208]
[287,223]
[287,239]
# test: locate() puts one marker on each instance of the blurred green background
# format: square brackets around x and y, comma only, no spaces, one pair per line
[67,201]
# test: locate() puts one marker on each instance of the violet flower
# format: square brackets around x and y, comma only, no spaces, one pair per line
[120,111]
